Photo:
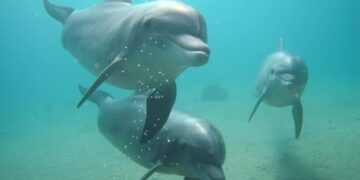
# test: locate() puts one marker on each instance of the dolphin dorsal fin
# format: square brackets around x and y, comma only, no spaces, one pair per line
[60,13]
[125,1]
[281,45]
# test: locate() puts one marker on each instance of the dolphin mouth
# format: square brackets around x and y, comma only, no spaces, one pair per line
[194,46]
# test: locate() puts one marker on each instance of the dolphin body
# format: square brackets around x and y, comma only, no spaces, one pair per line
[140,47]
[186,146]
[280,82]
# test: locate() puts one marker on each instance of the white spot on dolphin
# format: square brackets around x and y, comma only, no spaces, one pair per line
[96,65]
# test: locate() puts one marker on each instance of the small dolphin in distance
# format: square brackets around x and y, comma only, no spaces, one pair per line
[281,82]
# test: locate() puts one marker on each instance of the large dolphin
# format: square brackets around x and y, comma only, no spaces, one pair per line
[186,146]
[141,47]
[280,83]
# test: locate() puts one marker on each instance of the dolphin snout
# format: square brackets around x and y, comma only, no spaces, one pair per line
[202,57]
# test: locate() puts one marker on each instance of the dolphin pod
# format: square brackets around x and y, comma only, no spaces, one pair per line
[186,145]
[141,47]
[144,48]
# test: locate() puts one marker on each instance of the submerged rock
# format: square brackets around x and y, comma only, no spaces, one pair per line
[214,92]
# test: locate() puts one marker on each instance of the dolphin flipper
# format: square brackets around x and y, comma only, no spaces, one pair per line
[151,171]
[100,79]
[256,106]
[297,112]
[97,97]
[59,13]
[158,107]
[213,172]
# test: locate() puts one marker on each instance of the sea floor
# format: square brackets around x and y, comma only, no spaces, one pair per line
[64,143]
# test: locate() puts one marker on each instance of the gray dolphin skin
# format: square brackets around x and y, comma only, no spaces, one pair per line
[141,47]
[186,146]
[280,82]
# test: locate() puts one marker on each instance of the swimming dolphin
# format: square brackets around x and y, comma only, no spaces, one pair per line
[280,82]
[186,146]
[140,47]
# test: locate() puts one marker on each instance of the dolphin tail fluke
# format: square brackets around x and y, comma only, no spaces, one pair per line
[256,106]
[97,97]
[297,112]
[99,80]
[59,13]
[158,108]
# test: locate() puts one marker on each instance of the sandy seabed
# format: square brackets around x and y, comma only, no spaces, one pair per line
[64,143]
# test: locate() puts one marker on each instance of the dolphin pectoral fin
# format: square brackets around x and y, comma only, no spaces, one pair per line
[213,172]
[158,108]
[189,178]
[151,171]
[297,112]
[256,106]
[99,80]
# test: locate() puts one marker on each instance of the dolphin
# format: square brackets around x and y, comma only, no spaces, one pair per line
[281,82]
[186,145]
[140,47]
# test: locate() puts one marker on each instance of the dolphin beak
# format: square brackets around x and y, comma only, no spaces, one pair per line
[194,46]
[214,172]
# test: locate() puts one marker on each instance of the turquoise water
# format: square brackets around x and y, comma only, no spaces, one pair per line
[44,136]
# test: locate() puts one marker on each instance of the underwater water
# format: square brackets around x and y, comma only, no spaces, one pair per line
[44,136]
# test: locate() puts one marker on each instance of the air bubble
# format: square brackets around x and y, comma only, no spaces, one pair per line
[125,147]
[96,65]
